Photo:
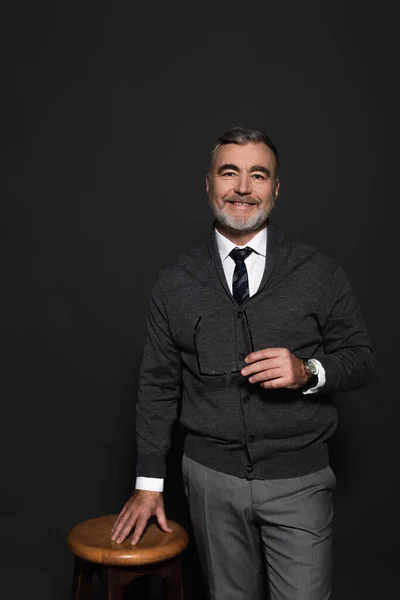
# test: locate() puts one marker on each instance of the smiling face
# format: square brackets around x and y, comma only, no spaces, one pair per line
[242,186]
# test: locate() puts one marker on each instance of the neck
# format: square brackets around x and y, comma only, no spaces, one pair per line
[240,238]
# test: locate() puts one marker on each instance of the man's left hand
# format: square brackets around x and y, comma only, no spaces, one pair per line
[275,368]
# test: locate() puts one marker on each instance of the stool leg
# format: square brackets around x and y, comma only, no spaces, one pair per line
[82,580]
[172,582]
[112,584]
[142,588]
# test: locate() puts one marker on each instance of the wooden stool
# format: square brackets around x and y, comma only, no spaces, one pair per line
[157,553]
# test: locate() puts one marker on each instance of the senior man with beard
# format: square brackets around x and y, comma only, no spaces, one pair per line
[250,334]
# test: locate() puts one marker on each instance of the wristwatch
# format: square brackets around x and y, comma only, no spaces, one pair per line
[312,370]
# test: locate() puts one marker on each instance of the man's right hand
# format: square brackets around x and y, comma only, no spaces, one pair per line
[135,514]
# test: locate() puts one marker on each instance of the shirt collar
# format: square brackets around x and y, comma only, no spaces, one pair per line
[258,243]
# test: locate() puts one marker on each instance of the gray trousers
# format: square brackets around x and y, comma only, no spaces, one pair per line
[246,529]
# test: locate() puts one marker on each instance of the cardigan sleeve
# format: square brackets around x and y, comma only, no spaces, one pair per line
[348,360]
[159,391]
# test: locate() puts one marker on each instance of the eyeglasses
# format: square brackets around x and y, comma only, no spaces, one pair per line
[219,371]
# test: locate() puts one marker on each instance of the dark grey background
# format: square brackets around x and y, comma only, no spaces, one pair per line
[110,110]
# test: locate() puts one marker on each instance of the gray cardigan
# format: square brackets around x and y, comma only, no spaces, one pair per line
[197,338]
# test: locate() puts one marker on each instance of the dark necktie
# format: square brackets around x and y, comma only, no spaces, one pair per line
[240,281]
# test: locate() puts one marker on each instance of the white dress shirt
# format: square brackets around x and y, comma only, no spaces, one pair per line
[255,264]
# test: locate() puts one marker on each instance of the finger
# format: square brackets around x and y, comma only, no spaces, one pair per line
[162,520]
[118,525]
[124,529]
[266,376]
[261,365]
[137,534]
[117,520]
[261,354]
[274,384]
[120,520]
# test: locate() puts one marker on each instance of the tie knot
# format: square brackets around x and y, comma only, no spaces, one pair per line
[239,255]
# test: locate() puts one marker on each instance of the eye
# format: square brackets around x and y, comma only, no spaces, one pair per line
[258,176]
[228,174]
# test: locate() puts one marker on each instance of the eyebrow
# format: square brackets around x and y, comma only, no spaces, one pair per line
[254,168]
[227,167]
[260,168]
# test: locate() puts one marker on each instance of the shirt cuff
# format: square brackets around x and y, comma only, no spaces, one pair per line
[151,484]
[321,380]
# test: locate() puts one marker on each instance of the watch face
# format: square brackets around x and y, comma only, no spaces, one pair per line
[312,367]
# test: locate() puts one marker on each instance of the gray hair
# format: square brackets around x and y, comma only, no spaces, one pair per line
[243,135]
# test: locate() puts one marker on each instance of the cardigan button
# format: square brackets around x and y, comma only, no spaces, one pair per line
[246,399]
[242,356]
[249,469]
[239,314]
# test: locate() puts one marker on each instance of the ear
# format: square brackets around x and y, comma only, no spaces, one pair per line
[276,190]
[208,184]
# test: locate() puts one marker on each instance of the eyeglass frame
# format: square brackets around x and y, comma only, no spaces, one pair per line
[224,373]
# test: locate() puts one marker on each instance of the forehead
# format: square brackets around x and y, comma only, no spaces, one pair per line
[245,156]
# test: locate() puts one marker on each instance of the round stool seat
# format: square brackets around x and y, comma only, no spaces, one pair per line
[91,541]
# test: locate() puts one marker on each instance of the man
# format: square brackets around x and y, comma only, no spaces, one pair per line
[251,334]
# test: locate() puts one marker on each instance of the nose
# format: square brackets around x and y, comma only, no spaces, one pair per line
[243,184]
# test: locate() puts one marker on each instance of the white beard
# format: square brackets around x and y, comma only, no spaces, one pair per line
[243,224]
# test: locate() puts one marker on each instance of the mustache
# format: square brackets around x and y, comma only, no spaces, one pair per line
[236,198]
